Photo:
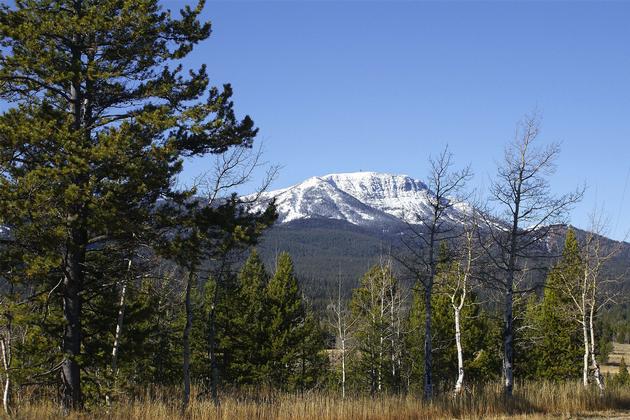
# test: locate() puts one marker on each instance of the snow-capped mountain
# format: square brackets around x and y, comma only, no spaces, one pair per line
[360,198]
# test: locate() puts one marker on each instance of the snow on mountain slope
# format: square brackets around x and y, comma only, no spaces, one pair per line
[361,198]
[319,198]
[399,195]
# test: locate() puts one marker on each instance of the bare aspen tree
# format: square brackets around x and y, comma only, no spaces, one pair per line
[525,210]
[371,310]
[119,326]
[6,345]
[342,321]
[120,319]
[382,292]
[593,261]
[457,289]
[590,291]
[576,287]
[396,300]
[445,184]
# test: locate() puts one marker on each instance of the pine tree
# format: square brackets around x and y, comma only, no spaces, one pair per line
[312,360]
[97,134]
[286,316]
[244,316]
[622,378]
[295,340]
[557,349]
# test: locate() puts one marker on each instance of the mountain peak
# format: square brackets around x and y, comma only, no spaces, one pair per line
[360,198]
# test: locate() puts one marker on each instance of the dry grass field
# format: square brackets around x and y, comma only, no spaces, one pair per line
[532,400]
[614,358]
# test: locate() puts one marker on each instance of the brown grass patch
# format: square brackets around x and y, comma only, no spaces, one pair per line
[530,400]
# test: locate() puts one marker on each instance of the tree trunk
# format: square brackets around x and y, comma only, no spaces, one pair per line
[428,348]
[119,325]
[6,394]
[460,356]
[595,365]
[586,354]
[394,337]
[508,343]
[380,366]
[381,338]
[72,336]
[186,341]
[6,344]
[343,367]
[214,371]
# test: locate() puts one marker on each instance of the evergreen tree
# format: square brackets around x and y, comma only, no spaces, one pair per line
[244,316]
[150,349]
[557,349]
[313,361]
[295,339]
[100,125]
[622,378]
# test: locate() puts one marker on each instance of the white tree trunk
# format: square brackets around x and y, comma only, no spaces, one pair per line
[392,330]
[6,361]
[119,326]
[586,354]
[380,365]
[6,394]
[343,367]
[460,356]
[594,364]
[381,337]
[118,333]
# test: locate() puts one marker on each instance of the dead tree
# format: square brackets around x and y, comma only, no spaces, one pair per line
[434,226]
[521,212]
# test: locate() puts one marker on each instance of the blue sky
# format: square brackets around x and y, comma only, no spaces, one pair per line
[381,86]
[349,86]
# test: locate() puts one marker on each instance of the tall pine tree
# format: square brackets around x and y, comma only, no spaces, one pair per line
[244,317]
[557,339]
[295,339]
[100,124]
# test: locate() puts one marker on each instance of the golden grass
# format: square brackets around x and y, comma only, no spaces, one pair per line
[531,400]
[614,358]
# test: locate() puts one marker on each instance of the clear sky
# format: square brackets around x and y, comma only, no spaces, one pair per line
[380,86]
[349,86]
